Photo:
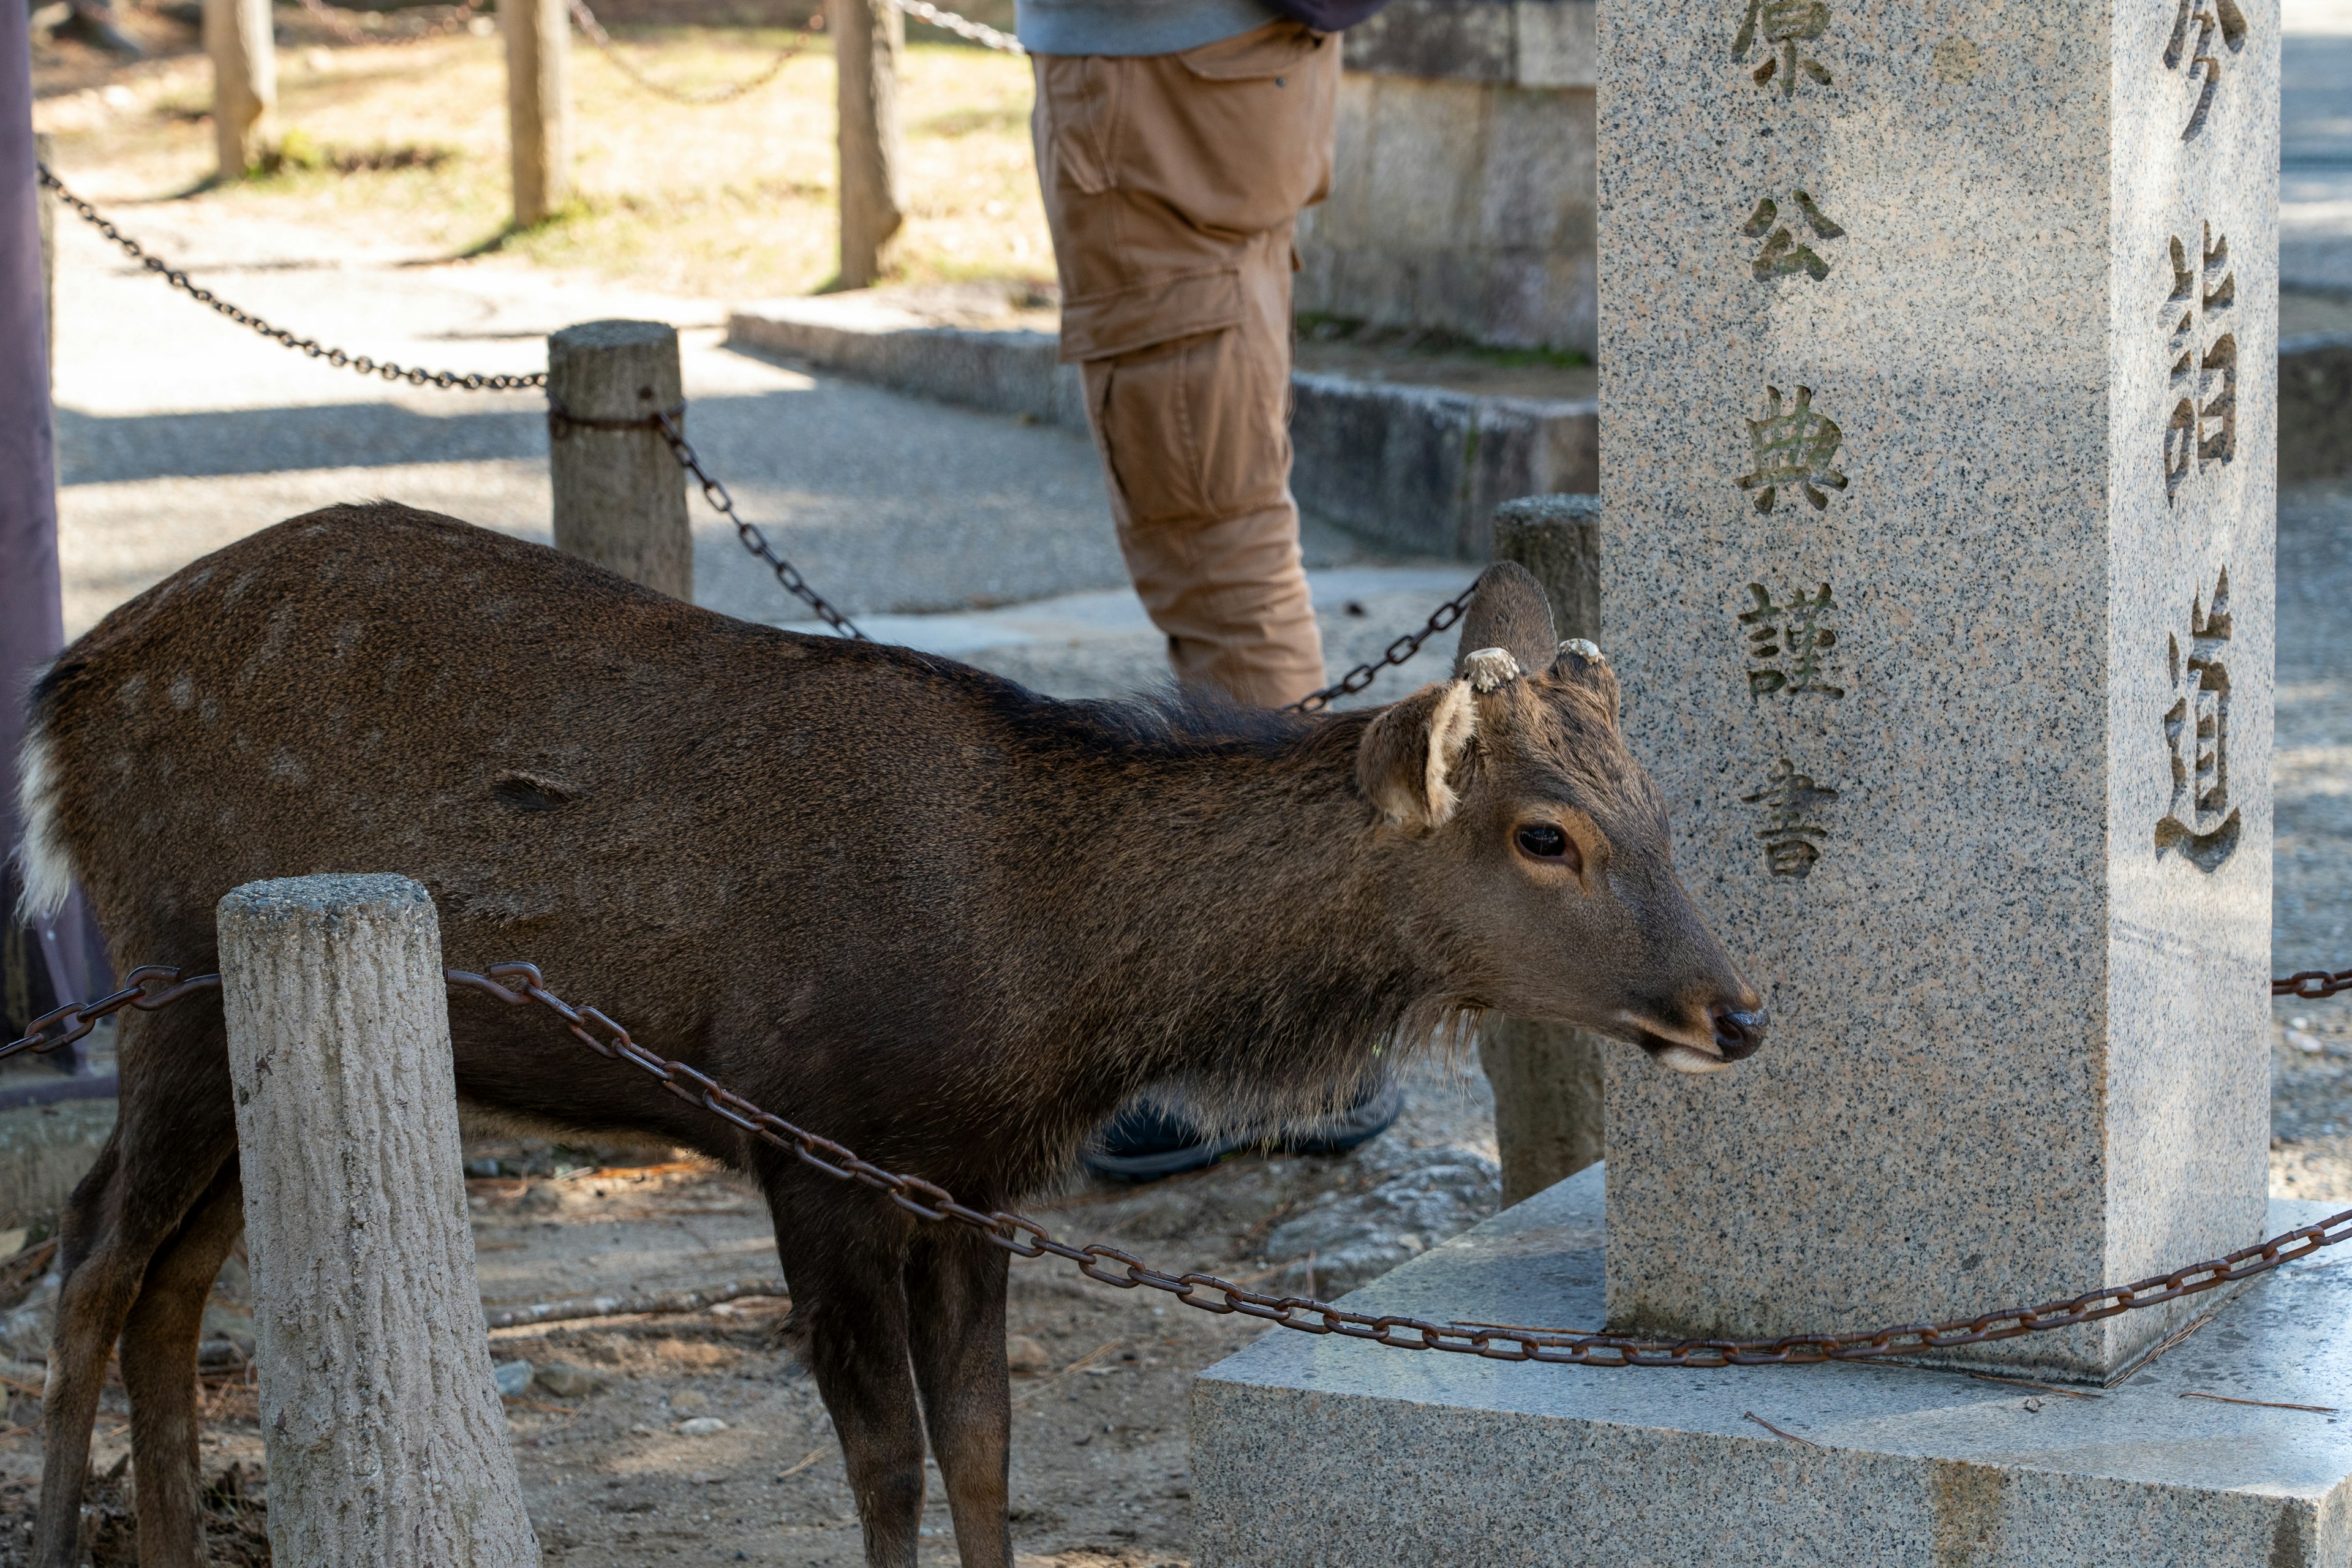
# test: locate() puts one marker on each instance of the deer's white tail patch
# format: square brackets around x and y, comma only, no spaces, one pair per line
[41,858]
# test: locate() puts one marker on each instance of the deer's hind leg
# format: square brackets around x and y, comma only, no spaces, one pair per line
[176,1130]
[159,1365]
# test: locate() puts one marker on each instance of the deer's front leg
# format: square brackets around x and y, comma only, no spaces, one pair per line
[849,1300]
[955,1302]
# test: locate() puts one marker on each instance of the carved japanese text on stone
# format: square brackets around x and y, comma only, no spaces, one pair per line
[2201,428]
[1788,643]
[1792,445]
[1789,826]
[1786,251]
[1784,27]
[2202,32]
[2203,822]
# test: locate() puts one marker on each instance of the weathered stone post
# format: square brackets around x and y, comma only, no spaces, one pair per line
[539,105]
[868,36]
[385,1439]
[1939,407]
[620,496]
[244,53]
[1546,1077]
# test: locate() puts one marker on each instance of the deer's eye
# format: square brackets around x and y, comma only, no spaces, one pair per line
[1543,841]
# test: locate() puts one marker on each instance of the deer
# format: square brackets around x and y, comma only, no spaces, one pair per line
[941,919]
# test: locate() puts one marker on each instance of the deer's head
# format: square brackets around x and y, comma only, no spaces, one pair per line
[1516,804]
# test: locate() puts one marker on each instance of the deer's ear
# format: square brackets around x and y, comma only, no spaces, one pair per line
[1405,759]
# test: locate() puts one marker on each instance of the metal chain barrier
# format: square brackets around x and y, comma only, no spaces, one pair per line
[747,532]
[446,379]
[345,32]
[1403,648]
[961,27]
[594,29]
[520,985]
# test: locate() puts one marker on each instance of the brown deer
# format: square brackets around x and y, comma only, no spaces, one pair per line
[947,921]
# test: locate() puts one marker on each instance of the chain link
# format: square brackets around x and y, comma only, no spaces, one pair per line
[594,29]
[445,379]
[2313,985]
[961,27]
[1403,648]
[348,34]
[747,532]
[521,984]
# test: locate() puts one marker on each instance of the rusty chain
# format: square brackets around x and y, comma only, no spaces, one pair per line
[2313,985]
[594,29]
[446,379]
[343,31]
[1397,652]
[749,532]
[521,984]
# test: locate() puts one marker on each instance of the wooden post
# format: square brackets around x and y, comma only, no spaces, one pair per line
[245,81]
[1546,1076]
[386,1442]
[620,496]
[539,105]
[868,36]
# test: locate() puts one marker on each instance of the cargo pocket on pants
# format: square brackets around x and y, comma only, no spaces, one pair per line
[1192,430]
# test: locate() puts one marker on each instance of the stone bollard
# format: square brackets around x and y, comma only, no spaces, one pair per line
[245,80]
[868,37]
[385,1439]
[1546,1076]
[620,496]
[539,105]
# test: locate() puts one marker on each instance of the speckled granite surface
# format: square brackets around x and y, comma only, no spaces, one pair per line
[1323,1453]
[1904,566]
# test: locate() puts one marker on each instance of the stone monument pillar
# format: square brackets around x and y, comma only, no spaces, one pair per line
[1938,557]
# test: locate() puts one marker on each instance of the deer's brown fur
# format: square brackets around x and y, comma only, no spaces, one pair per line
[950,923]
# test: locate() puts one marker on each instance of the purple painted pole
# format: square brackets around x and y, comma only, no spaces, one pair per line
[32,614]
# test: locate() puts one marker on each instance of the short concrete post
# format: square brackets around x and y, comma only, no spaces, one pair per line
[868,36]
[539,105]
[620,496]
[245,80]
[1546,1076]
[385,1439]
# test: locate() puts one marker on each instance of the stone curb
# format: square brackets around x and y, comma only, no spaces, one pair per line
[2315,416]
[1416,467]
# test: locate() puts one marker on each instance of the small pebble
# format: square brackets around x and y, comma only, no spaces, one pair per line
[701,1426]
[2034,1404]
[512,1377]
[566,1381]
[1026,1356]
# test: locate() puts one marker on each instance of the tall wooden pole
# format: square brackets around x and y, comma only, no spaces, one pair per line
[244,53]
[1547,1076]
[386,1442]
[868,36]
[539,105]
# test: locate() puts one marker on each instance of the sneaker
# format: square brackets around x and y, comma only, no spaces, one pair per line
[1144,1142]
[1374,1112]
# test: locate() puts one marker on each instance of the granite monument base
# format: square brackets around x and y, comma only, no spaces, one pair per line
[1324,1453]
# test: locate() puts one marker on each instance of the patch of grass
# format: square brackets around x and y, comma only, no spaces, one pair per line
[407,147]
[1431,343]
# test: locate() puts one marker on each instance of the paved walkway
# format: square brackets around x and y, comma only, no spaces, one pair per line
[2316,145]
[180,432]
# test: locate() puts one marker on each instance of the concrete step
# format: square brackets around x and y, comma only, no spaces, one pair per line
[1418,467]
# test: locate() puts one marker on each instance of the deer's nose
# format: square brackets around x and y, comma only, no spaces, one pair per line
[1737,1034]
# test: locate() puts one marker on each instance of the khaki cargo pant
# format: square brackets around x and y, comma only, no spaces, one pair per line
[1172,183]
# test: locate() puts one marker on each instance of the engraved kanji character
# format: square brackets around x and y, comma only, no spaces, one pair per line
[1790,832]
[2201,823]
[2202,427]
[1786,642]
[1783,252]
[1793,445]
[1783,24]
[2194,29]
